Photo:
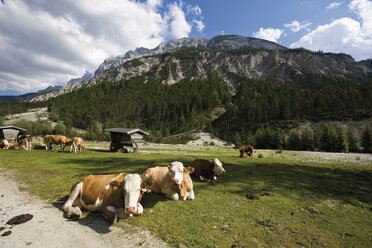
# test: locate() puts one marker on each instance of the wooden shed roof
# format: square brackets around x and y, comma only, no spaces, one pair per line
[13,127]
[128,131]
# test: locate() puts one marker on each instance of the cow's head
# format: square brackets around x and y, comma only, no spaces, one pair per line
[69,142]
[133,187]
[132,194]
[217,167]
[177,170]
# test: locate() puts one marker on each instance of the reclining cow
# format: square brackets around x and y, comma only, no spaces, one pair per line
[4,144]
[207,169]
[77,144]
[61,140]
[246,151]
[27,138]
[114,195]
[173,181]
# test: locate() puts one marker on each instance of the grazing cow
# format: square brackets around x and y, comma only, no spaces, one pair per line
[173,181]
[207,169]
[113,195]
[27,138]
[77,143]
[246,149]
[63,141]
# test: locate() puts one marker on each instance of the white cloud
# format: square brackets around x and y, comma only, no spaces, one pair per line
[296,26]
[196,10]
[333,5]
[179,27]
[50,42]
[345,34]
[199,25]
[270,34]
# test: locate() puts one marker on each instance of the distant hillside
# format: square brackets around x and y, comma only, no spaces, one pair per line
[19,98]
[28,96]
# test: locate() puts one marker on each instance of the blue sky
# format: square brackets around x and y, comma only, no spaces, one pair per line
[47,42]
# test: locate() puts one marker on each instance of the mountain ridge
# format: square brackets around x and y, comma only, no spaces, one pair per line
[230,56]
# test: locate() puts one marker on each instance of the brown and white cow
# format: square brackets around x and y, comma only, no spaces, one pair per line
[77,144]
[114,195]
[207,169]
[61,140]
[27,138]
[173,181]
[4,144]
[246,149]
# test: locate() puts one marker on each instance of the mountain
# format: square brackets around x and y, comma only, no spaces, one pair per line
[230,56]
[29,96]
[221,42]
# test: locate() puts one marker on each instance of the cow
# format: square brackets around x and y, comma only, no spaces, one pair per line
[173,181]
[207,169]
[115,196]
[4,144]
[245,155]
[39,147]
[27,138]
[122,150]
[246,149]
[61,140]
[77,144]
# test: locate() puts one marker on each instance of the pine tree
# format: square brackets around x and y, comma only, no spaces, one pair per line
[307,140]
[352,140]
[341,141]
[366,139]
[294,141]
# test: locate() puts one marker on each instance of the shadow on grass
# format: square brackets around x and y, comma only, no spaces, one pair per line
[312,181]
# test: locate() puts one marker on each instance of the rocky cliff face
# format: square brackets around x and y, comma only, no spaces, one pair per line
[270,62]
[272,65]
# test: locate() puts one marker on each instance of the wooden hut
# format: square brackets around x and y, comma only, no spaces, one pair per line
[10,132]
[121,137]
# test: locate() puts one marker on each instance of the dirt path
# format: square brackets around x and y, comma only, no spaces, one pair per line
[48,228]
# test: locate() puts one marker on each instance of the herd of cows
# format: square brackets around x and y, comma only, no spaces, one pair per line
[24,142]
[119,195]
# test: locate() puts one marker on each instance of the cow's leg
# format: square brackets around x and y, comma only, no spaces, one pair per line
[201,178]
[191,195]
[173,196]
[69,207]
[121,213]
[110,214]
[73,144]
[170,194]
[214,178]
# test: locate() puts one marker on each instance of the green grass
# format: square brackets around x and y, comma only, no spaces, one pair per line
[261,202]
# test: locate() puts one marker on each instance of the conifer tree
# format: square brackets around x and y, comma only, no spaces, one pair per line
[366,139]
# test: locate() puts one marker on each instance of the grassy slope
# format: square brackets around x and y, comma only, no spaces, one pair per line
[222,215]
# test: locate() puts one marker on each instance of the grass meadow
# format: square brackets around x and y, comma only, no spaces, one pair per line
[271,200]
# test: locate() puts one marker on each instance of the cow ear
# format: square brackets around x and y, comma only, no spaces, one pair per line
[189,169]
[116,185]
[146,184]
[169,166]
